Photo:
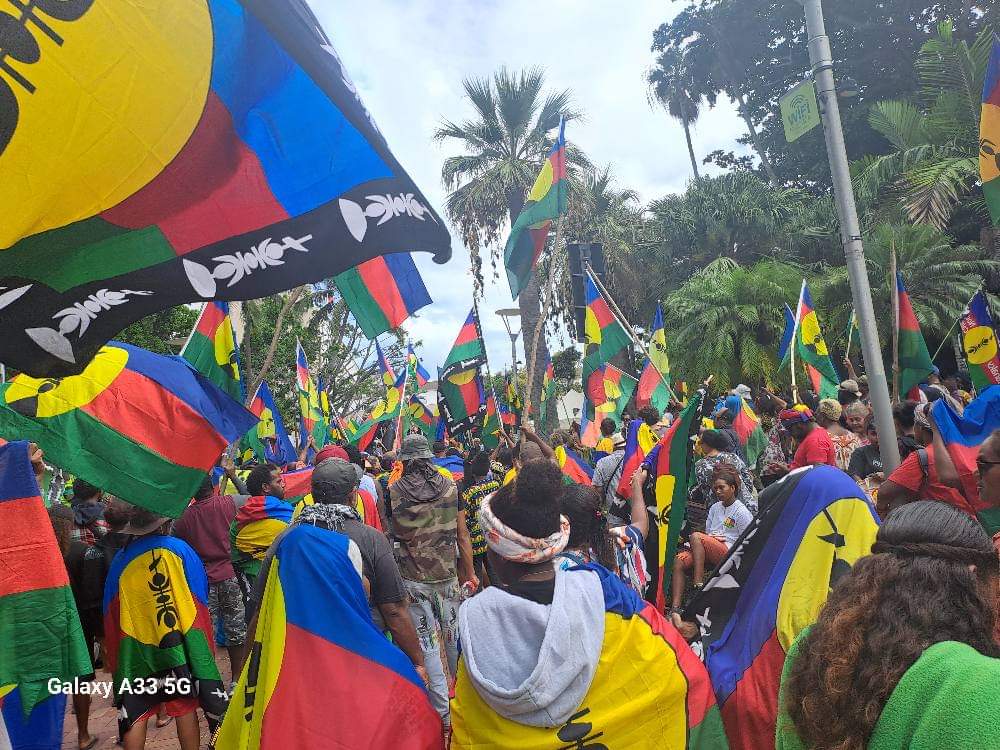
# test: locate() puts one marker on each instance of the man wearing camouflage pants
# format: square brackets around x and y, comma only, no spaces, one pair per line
[430,536]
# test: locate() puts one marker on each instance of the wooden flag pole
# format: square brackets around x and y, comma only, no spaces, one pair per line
[794,342]
[547,297]
[895,323]
[623,321]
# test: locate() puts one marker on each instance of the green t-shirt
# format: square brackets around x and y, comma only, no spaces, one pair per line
[949,698]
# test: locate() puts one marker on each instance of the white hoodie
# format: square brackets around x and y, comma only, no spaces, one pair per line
[534,663]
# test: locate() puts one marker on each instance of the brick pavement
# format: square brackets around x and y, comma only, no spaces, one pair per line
[104,722]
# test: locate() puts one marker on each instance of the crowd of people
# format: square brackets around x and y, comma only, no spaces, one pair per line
[493,578]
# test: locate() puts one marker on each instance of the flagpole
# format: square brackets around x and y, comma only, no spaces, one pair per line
[623,321]
[795,340]
[397,441]
[539,326]
[957,321]
[895,322]
[194,328]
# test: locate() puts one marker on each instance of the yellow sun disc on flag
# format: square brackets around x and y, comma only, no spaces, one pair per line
[834,540]
[542,183]
[99,112]
[811,334]
[980,345]
[989,167]
[462,378]
[154,583]
[50,397]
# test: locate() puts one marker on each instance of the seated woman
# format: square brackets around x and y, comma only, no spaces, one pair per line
[727,519]
[548,655]
[902,654]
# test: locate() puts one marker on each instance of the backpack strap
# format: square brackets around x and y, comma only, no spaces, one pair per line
[924,460]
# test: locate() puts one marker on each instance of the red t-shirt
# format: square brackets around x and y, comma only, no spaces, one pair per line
[909,475]
[817,448]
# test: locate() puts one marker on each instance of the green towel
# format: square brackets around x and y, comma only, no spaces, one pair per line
[950,698]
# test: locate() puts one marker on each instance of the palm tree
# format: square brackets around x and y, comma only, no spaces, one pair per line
[671,84]
[940,279]
[726,320]
[503,148]
[934,166]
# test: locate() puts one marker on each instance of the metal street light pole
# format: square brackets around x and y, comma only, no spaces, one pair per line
[505,314]
[850,231]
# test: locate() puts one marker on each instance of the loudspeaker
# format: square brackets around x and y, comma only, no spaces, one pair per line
[581,255]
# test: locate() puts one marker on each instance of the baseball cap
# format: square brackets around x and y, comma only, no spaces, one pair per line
[339,477]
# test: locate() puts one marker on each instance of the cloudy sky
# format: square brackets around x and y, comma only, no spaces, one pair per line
[408,59]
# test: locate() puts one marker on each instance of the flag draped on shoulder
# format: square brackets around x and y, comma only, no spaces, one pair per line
[670,461]
[812,527]
[546,200]
[963,434]
[214,151]
[670,702]
[269,439]
[157,626]
[211,349]
[461,393]
[914,360]
[654,389]
[144,427]
[979,342]
[812,349]
[39,625]
[314,630]
[383,292]
[989,133]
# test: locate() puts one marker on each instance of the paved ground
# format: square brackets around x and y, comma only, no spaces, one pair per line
[104,722]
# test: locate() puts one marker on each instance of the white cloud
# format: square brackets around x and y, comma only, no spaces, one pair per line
[408,59]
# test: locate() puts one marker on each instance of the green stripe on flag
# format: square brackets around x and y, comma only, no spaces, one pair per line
[369,316]
[200,352]
[84,251]
[28,622]
[78,443]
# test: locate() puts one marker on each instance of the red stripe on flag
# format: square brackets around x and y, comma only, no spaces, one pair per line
[213,189]
[602,312]
[558,160]
[467,334]
[30,554]
[700,697]
[125,407]
[210,320]
[750,712]
[368,704]
[382,287]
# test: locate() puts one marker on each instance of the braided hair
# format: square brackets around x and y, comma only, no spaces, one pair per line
[588,524]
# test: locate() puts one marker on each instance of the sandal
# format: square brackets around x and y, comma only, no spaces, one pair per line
[90,745]
[164,721]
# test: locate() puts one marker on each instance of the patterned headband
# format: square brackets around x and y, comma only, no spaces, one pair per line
[515,546]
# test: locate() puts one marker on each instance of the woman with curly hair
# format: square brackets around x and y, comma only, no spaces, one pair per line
[902,654]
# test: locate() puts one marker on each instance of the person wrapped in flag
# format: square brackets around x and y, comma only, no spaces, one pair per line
[572,658]
[915,619]
[157,627]
[320,673]
[259,520]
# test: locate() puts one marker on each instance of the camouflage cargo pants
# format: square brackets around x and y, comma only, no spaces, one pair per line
[434,609]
